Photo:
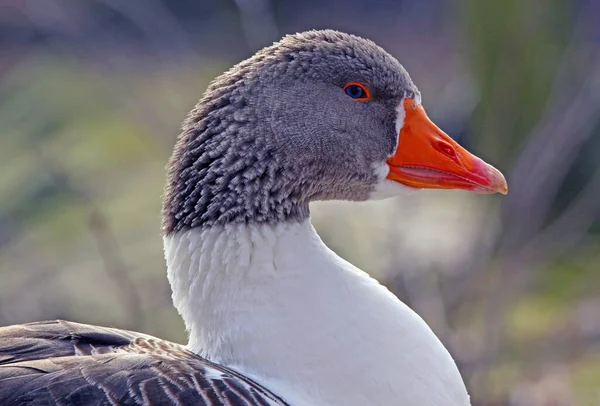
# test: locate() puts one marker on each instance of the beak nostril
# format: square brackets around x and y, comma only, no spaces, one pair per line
[447,149]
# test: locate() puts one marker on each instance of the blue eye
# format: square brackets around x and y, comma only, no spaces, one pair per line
[354,91]
[357,91]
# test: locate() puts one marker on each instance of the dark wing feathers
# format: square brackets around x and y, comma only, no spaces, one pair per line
[65,363]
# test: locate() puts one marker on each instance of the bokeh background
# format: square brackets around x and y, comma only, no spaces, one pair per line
[92,93]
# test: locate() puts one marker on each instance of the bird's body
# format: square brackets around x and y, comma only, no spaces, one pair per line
[274,316]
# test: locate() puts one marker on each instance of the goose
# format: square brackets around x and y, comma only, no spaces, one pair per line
[274,316]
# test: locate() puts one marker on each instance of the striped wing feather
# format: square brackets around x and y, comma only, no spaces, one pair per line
[66,363]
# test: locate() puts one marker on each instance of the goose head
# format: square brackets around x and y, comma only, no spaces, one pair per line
[319,115]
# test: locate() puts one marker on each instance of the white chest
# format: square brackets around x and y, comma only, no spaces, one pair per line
[273,302]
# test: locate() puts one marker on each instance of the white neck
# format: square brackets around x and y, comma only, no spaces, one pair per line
[273,302]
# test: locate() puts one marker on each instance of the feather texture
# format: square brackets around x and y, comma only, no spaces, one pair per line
[66,363]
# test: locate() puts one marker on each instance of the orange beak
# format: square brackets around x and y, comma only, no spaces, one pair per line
[427,158]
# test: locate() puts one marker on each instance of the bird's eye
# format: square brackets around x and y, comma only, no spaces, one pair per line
[357,91]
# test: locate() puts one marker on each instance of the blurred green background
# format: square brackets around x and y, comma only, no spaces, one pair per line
[92,93]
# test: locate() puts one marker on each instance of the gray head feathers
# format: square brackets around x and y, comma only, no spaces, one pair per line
[277,131]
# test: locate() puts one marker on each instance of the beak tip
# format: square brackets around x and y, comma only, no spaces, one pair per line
[497,181]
